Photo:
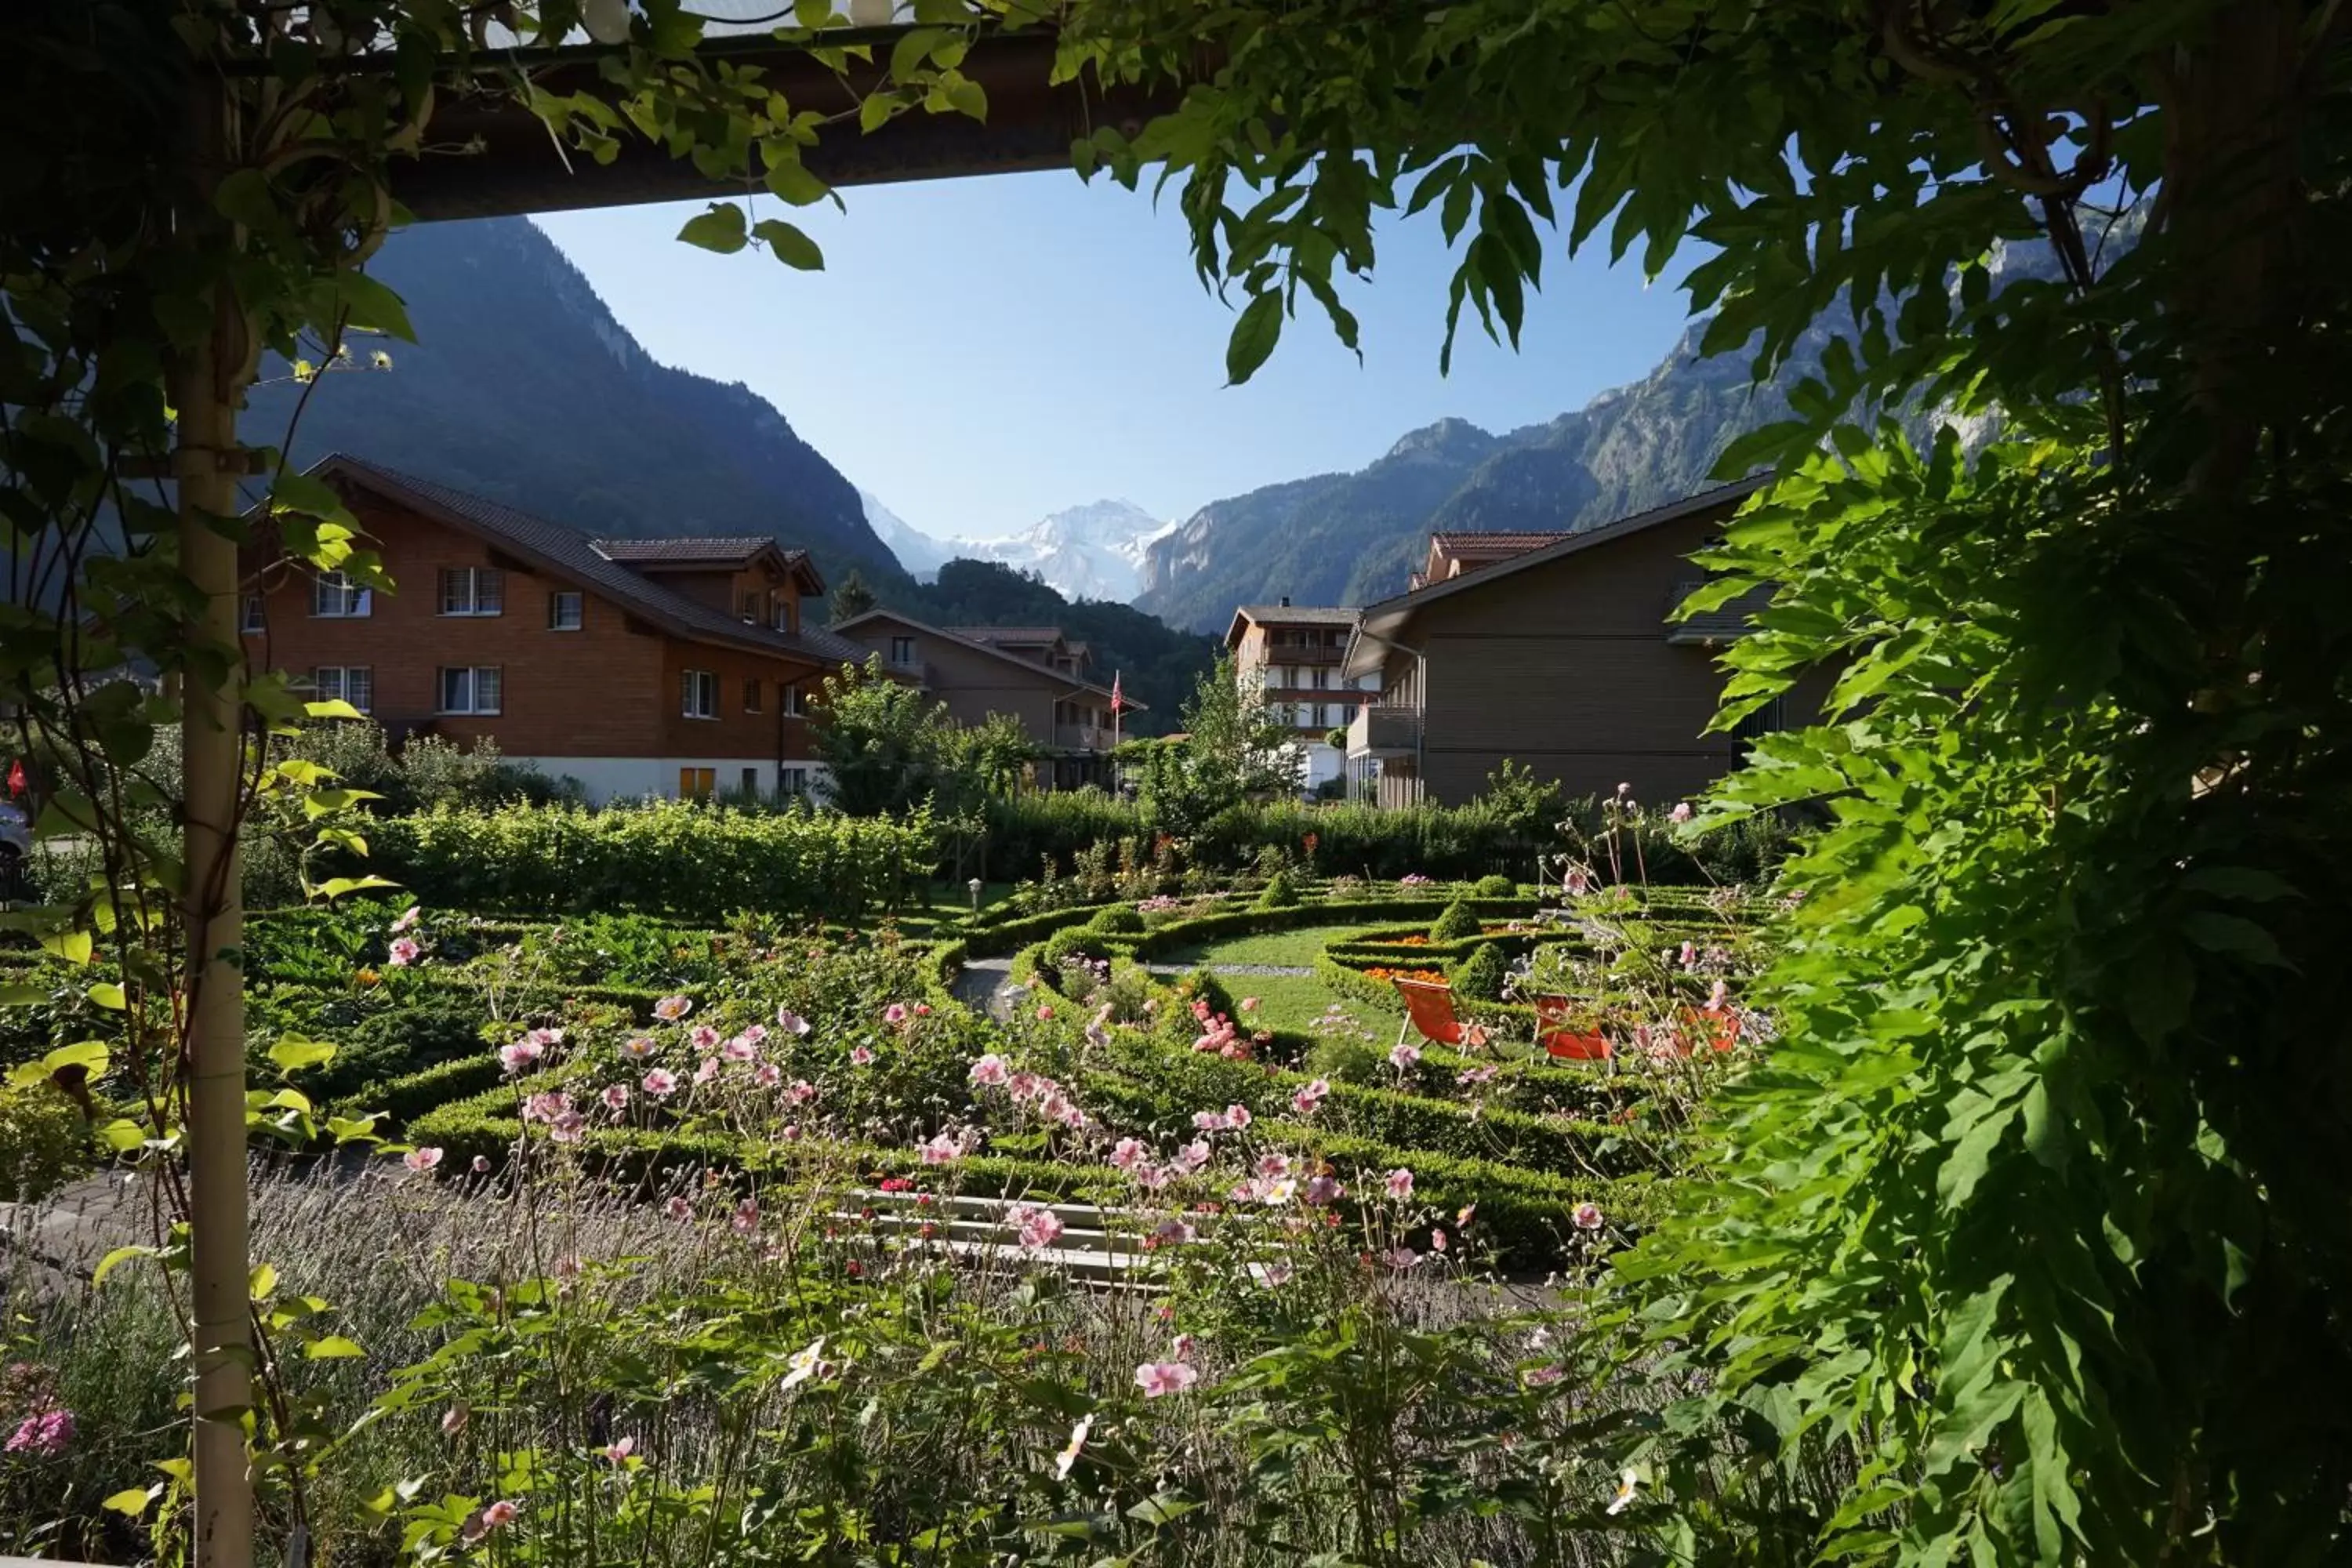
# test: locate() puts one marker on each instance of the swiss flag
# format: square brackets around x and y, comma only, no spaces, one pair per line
[16,776]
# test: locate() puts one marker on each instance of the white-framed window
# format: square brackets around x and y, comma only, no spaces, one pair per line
[791,701]
[699,694]
[792,781]
[472,689]
[251,616]
[565,610]
[787,616]
[902,652]
[334,596]
[473,591]
[352,683]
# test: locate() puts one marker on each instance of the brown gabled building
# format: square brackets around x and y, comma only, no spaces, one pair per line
[1291,653]
[1032,674]
[1558,655]
[639,666]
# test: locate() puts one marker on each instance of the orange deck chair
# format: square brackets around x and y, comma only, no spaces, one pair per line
[1428,1007]
[1719,1030]
[1560,1038]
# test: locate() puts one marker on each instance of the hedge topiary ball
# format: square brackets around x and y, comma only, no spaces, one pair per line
[1454,924]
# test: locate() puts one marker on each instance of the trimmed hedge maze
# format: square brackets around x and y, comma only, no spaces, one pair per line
[646,1047]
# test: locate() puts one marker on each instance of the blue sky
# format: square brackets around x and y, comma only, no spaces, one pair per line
[979,352]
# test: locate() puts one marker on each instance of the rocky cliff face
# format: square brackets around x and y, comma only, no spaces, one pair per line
[524,388]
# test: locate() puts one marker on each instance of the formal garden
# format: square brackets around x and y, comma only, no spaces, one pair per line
[1118,1216]
[672,1189]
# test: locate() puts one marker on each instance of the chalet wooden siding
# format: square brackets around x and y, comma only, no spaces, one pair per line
[1567,665]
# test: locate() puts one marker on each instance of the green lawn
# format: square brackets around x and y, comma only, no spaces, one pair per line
[1295,1002]
[1298,949]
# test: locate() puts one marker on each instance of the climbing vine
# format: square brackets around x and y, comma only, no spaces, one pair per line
[2028,1223]
[193,192]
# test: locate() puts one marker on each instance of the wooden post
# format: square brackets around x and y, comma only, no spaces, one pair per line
[204,389]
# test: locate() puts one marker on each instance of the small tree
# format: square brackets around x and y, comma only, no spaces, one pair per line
[879,738]
[851,598]
[1233,750]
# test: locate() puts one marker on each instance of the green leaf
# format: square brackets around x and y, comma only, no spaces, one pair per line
[333,707]
[1968,1160]
[291,1053]
[73,946]
[120,1255]
[968,98]
[333,1347]
[107,994]
[791,180]
[261,1282]
[22,995]
[1254,337]
[789,245]
[2233,934]
[353,1129]
[721,228]
[373,307]
[1166,1508]
[130,1501]
[336,886]
[306,495]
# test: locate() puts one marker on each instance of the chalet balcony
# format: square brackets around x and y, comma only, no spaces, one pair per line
[1384,730]
[1082,737]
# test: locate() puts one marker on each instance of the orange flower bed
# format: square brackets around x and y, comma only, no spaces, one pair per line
[1429,976]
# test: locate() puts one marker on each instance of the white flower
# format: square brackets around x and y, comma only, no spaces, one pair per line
[1069,1454]
[1627,1482]
[804,1363]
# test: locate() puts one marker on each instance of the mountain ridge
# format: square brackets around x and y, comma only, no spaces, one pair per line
[524,388]
[1093,551]
[1353,538]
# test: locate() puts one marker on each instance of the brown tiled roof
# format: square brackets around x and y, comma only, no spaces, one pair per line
[571,554]
[1006,634]
[1298,615]
[1484,543]
[722,550]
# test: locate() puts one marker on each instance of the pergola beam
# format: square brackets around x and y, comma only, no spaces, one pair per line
[514,166]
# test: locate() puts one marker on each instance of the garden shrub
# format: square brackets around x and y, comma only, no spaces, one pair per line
[1118,920]
[1494,887]
[1458,921]
[1346,1059]
[1506,834]
[1483,974]
[669,856]
[436,1027]
[44,1140]
[1277,893]
[1070,943]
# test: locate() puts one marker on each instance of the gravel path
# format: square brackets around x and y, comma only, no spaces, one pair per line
[984,984]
